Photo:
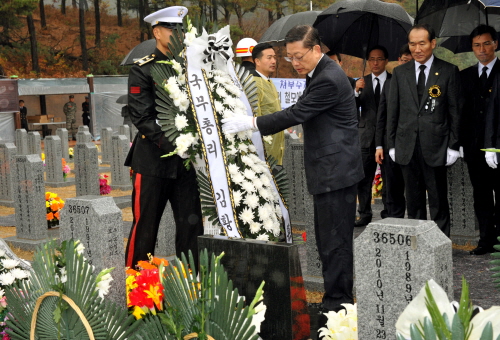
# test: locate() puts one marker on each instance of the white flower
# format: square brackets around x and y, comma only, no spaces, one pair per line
[183,142]
[248,186]
[219,107]
[252,201]
[230,101]
[7,279]
[180,122]
[9,264]
[249,174]
[263,237]
[218,78]
[234,90]
[2,292]
[227,113]
[184,102]
[221,92]
[176,66]
[265,193]
[258,183]
[190,36]
[255,227]
[238,178]
[263,213]
[243,135]
[237,195]
[172,88]
[19,273]
[341,325]
[246,215]
[268,139]
[252,148]
[243,147]
[104,284]
[278,211]
[182,79]
[266,181]
[247,160]
[64,277]
[259,316]
[480,320]
[268,224]
[231,150]
[233,169]
[80,248]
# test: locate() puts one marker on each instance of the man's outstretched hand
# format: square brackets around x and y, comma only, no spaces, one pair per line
[237,124]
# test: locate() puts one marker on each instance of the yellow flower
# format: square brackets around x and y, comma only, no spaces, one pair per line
[43,156]
[138,312]
[155,294]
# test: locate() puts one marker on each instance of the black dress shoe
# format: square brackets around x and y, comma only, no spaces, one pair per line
[362,222]
[384,214]
[482,250]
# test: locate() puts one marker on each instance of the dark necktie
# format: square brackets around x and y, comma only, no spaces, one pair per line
[377,92]
[421,83]
[484,77]
[308,80]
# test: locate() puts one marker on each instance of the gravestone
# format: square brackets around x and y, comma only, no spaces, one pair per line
[53,163]
[29,198]
[165,242]
[393,260]
[4,247]
[83,135]
[22,142]
[106,147]
[97,222]
[34,143]
[86,169]
[463,228]
[248,263]
[7,173]
[120,174]
[124,130]
[63,135]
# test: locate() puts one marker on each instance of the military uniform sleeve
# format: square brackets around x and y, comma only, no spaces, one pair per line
[141,105]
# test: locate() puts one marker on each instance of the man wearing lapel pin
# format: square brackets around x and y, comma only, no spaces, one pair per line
[332,156]
[423,121]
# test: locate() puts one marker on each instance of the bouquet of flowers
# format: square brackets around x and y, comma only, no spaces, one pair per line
[377,183]
[104,188]
[66,169]
[54,204]
[71,153]
[342,325]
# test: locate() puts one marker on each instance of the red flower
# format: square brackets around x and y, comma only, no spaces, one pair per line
[304,236]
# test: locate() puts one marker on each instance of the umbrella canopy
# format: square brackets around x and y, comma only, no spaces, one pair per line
[352,27]
[123,99]
[277,31]
[459,44]
[141,50]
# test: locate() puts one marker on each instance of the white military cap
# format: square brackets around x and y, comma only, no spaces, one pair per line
[168,17]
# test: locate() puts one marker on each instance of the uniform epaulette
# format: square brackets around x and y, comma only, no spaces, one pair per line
[145,60]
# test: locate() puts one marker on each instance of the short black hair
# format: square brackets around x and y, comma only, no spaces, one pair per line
[21,101]
[378,47]
[431,34]
[483,29]
[305,33]
[405,49]
[330,53]
[257,50]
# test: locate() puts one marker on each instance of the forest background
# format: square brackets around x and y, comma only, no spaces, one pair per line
[74,38]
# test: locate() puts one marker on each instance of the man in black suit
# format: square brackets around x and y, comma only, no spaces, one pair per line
[24,114]
[423,122]
[478,81]
[332,155]
[336,57]
[157,180]
[367,92]
[393,189]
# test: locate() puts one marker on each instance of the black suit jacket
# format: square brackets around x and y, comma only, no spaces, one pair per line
[407,118]
[492,121]
[476,100]
[150,142]
[326,110]
[381,128]
[368,116]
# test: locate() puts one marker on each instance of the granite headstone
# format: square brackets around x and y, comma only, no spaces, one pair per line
[7,173]
[393,260]
[63,135]
[34,143]
[83,135]
[106,147]
[97,222]
[53,162]
[124,130]
[22,142]
[86,169]
[120,174]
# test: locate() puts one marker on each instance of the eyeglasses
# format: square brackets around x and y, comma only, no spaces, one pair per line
[290,59]
[376,59]
[485,44]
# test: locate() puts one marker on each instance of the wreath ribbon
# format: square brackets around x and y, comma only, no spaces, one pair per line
[217,46]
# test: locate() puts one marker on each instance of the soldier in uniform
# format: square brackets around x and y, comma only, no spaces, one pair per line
[69,110]
[24,112]
[157,180]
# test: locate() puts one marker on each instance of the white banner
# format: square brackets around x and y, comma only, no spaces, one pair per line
[289,90]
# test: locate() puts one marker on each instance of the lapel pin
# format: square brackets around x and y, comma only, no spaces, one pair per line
[437,74]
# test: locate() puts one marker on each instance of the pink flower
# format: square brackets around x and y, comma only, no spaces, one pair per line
[3,302]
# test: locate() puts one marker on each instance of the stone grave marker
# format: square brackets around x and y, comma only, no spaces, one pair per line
[120,174]
[4,247]
[34,143]
[393,260]
[53,163]
[83,137]
[463,228]
[106,147]
[86,169]
[97,222]
[165,242]
[63,134]
[22,142]
[7,173]
[124,130]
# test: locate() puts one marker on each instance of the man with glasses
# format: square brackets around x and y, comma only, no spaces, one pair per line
[478,81]
[332,156]
[367,93]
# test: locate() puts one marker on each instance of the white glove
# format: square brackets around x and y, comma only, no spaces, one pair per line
[452,156]
[392,154]
[461,150]
[491,159]
[237,124]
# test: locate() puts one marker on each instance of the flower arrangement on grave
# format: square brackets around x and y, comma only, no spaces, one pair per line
[104,188]
[10,272]
[342,325]
[66,168]
[377,183]
[71,153]
[66,297]
[54,204]
[256,203]
[175,303]
[431,316]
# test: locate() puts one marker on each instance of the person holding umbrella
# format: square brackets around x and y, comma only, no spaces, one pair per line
[423,122]
[157,180]
[332,156]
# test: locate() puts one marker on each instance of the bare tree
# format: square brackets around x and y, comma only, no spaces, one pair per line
[83,41]
[42,14]
[97,22]
[119,12]
[63,7]
[34,49]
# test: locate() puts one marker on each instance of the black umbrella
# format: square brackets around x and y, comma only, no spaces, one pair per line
[458,44]
[277,31]
[141,50]
[123,99]
[354,26]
